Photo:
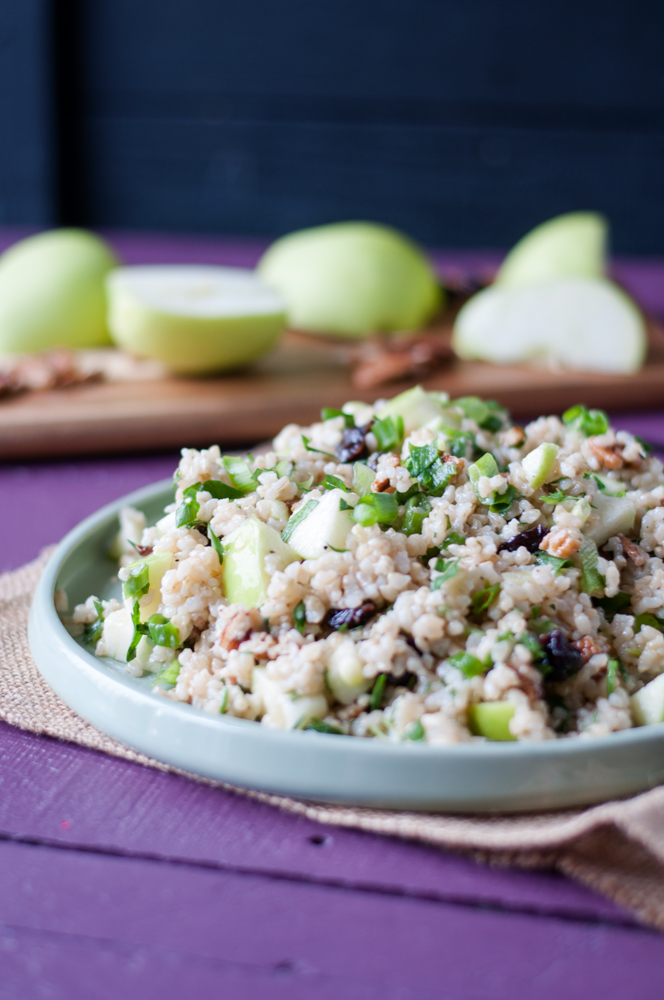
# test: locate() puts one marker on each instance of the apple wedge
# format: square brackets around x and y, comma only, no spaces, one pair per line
[578,323]
[193,319]
[569,246]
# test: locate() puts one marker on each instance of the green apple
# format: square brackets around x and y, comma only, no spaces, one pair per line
[609,516]
[568,246]
[578,323]
[154,566]
[344,673]
[244,574]
[287,711]
[52,291]
[327,525]
[193,319]
[539,463]
[648,703]
[491,719]
[118,632]
[415,406]
[352,279]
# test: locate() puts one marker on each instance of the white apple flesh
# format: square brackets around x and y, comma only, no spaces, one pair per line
[52,292]
[193,319]
[576,323]
[352,279]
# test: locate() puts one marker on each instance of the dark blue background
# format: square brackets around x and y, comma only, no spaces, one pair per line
[463,121]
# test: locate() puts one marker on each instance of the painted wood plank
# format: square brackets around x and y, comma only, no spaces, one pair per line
[352,940]
[61,794]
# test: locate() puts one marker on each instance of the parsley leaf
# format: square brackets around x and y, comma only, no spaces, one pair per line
[468,664]
[389,433]
[215,542]
[587,422]
[168,675]
[483,599]
[299,617]
[308,447]
[554,562]
[447,570]
[138,583]
[328,413]
[334,483]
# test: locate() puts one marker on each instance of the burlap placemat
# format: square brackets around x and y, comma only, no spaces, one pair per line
[616,848]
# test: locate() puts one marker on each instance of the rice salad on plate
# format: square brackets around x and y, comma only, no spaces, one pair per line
[420,569]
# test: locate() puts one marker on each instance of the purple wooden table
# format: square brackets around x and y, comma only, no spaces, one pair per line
[120,881]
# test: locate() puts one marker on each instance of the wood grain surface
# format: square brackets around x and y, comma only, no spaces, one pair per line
[289,385]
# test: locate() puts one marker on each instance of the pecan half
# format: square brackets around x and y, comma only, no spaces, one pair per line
[608,456]
[560,542]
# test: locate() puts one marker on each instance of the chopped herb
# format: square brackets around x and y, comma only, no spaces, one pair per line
[647,619]
[501,502]
[343,505]
[322,727]
[241,476]
[555,563]
[447,569]
[453,538]
[468,664]
[389,433]
[283,468]
[611,675]
[376,508]
[420,458]
[612,606]
[306,484]
[168,675]
[138,583]
[163,632]
[220,491]
[647,448]
[484,598]
[94,630]
[378,692]
[215,542]
[486,413]
[299,617]
[187,512]
[223,708]
[587,422]
[298,518]
[461,444]
[414,731]
[591,580]
[417,509]
[334,483]
[555,496]
[424,464]
[328,413]
[139,631]
[531,642]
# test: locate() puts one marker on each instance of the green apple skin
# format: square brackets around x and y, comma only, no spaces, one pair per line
[539,463]
[492,720]
[352,279]
[245,579]
[415,406]
[572,245]
[584,324]
[52,292]
[187,344]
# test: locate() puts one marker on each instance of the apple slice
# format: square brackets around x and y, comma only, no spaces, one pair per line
[572,245]
[416,406]
[538,465]
[609,515]
[352,279]
[492,720]
[326,525]
[648,703]
[245,578]
[579,323]
[193,319]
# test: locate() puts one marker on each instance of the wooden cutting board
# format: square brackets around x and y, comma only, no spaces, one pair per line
[289,386]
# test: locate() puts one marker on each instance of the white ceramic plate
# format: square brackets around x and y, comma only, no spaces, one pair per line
[476,777]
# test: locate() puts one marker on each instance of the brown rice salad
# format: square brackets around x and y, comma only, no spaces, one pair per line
[420,569]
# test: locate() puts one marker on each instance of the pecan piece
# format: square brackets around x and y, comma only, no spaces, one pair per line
[383,487]
[608,456]
[634,552]
[560,542]
[587,646]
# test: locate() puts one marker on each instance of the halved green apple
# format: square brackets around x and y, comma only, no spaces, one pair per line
[193,319]
[569,246]
[578,323]
[352,279]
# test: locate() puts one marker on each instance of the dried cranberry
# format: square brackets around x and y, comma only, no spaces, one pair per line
[561,657]
[529,539]
[350,617]
[353,444]
[144,550]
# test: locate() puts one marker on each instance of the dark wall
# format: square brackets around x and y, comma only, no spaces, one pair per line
[463,121]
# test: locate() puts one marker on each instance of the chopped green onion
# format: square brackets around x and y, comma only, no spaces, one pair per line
[611,675]
[322,727]
[647,448]
[461,444]
[591,580]
[647,619]
[241,476]
[223,708]
[378,692]
[587,422]
[163,632]
[168,675]
[306,485]
[483,599]
[376,508]
[483,412]
[417,509]
[468,664]
[414,731]
[424,464]
[139,631]
[501,502]
[447,569]
[298,518]
[334,483]
[343,505]
[363,478]
[94,630]
[531,643]
[138,583]
[283,468]
[555,563]
[420,458]
[299,617]
[453,538]
[215,542]
[328,413]
[389,433]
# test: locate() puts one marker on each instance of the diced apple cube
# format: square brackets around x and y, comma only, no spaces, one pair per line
[244,574]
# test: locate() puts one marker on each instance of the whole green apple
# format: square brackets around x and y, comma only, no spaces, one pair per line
[352,279]
[52,291]
[194,319]
[569,246]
